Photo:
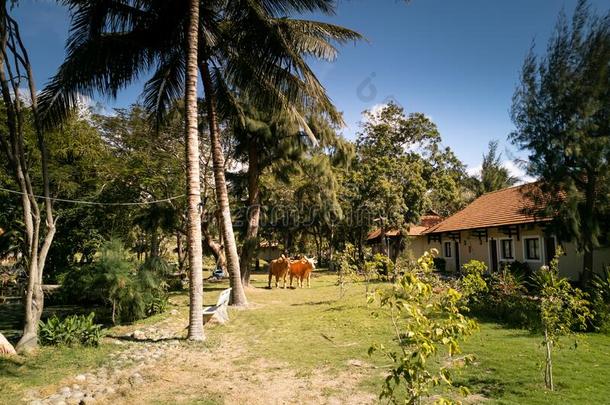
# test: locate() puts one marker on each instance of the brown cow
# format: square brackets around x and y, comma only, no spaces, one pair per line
[279,268]
[301,269]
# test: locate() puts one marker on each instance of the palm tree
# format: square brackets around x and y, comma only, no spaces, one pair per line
[244,46]
[193,224]
[493,175]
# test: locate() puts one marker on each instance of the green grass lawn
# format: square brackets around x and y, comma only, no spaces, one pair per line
[312,329]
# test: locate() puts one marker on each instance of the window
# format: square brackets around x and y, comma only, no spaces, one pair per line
[506,246]
[447,249]
[532,249]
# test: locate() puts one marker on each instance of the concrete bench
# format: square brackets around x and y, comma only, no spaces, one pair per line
[219,311]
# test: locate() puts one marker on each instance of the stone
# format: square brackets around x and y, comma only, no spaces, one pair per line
[88,400]
[80,377]
[65,391]
[138,334]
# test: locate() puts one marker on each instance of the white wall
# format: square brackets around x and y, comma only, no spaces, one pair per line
[471,248]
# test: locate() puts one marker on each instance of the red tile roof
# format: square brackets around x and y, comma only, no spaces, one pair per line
[426,221]
[509,206]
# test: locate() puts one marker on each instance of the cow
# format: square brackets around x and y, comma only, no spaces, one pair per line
[301,269]
[279,268]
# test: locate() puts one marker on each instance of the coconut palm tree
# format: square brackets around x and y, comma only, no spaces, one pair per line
[245,46]
[193,222]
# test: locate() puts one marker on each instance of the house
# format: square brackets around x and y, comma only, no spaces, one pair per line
[497,228]
[392,240]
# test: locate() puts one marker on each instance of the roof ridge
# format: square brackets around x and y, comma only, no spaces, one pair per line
[505,189]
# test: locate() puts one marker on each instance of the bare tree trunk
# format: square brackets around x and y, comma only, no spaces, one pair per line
[253,212]
[193,229]
[215,247]
[13,145]
[238,296]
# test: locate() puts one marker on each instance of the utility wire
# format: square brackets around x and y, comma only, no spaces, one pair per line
[95,202]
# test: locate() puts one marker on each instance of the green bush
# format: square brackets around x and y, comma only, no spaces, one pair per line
[600,301]
[506,301]
[472,284]
[114,281]
[378,265]
[521,270]
[73,330]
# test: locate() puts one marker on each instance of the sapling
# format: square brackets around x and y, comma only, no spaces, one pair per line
[426,319]
[562,310]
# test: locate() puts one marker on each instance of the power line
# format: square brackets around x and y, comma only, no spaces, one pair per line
[95,202]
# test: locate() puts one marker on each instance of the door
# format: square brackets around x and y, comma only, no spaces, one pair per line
[457,257]
[493,246]
[549,249]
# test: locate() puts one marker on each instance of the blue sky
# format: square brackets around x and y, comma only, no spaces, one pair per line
[457,61]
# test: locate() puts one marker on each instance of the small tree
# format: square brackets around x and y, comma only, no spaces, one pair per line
[347,268]
[562,310]
[426,320]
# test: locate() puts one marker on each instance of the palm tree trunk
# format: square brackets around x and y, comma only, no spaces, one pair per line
[193,229]
[253,212]
[238,296]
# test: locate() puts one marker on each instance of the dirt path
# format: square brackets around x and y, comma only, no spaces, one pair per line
[158,366]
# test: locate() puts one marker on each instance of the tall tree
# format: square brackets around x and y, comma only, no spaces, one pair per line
[561,110]
[493,175]
[15,72]
[113,43]
[193,222]
[401,170]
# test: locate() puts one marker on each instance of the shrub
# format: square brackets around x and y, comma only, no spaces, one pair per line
[347,268]
[472,285]
[114,281]
[379,265]
[600,297]
[73,330]
[506,301]
[520,270]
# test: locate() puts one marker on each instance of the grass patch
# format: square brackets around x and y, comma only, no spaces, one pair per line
[48,366]
[312,330]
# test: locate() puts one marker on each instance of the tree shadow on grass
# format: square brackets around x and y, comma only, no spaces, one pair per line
[490,387]
[146,340]
[312,303]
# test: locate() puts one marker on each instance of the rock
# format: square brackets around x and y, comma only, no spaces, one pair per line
[80,377]
[356,363]
[36,402]
[174,312]
[138,335]
[88,400]
[65,391]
